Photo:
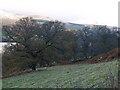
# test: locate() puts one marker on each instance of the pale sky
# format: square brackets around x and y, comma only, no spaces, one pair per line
[103,12]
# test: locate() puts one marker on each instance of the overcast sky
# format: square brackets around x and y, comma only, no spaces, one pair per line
[77,11]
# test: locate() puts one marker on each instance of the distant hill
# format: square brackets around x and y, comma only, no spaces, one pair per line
[10,18]
[75,26]
[8,21]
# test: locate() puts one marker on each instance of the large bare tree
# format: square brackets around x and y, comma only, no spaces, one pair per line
[33,38]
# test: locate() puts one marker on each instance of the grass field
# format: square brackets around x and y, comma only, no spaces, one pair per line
[100,75]
[0,83]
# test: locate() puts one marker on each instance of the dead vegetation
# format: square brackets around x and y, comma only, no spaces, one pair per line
[111,55]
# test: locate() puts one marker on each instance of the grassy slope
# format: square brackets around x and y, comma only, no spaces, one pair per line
[0,83]
[67,76]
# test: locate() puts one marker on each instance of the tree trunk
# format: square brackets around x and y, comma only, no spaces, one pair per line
[33,67]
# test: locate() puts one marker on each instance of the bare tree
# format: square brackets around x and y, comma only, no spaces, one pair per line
[33,38]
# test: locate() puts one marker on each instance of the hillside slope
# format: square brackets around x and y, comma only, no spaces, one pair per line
[99,75]
[105,57]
